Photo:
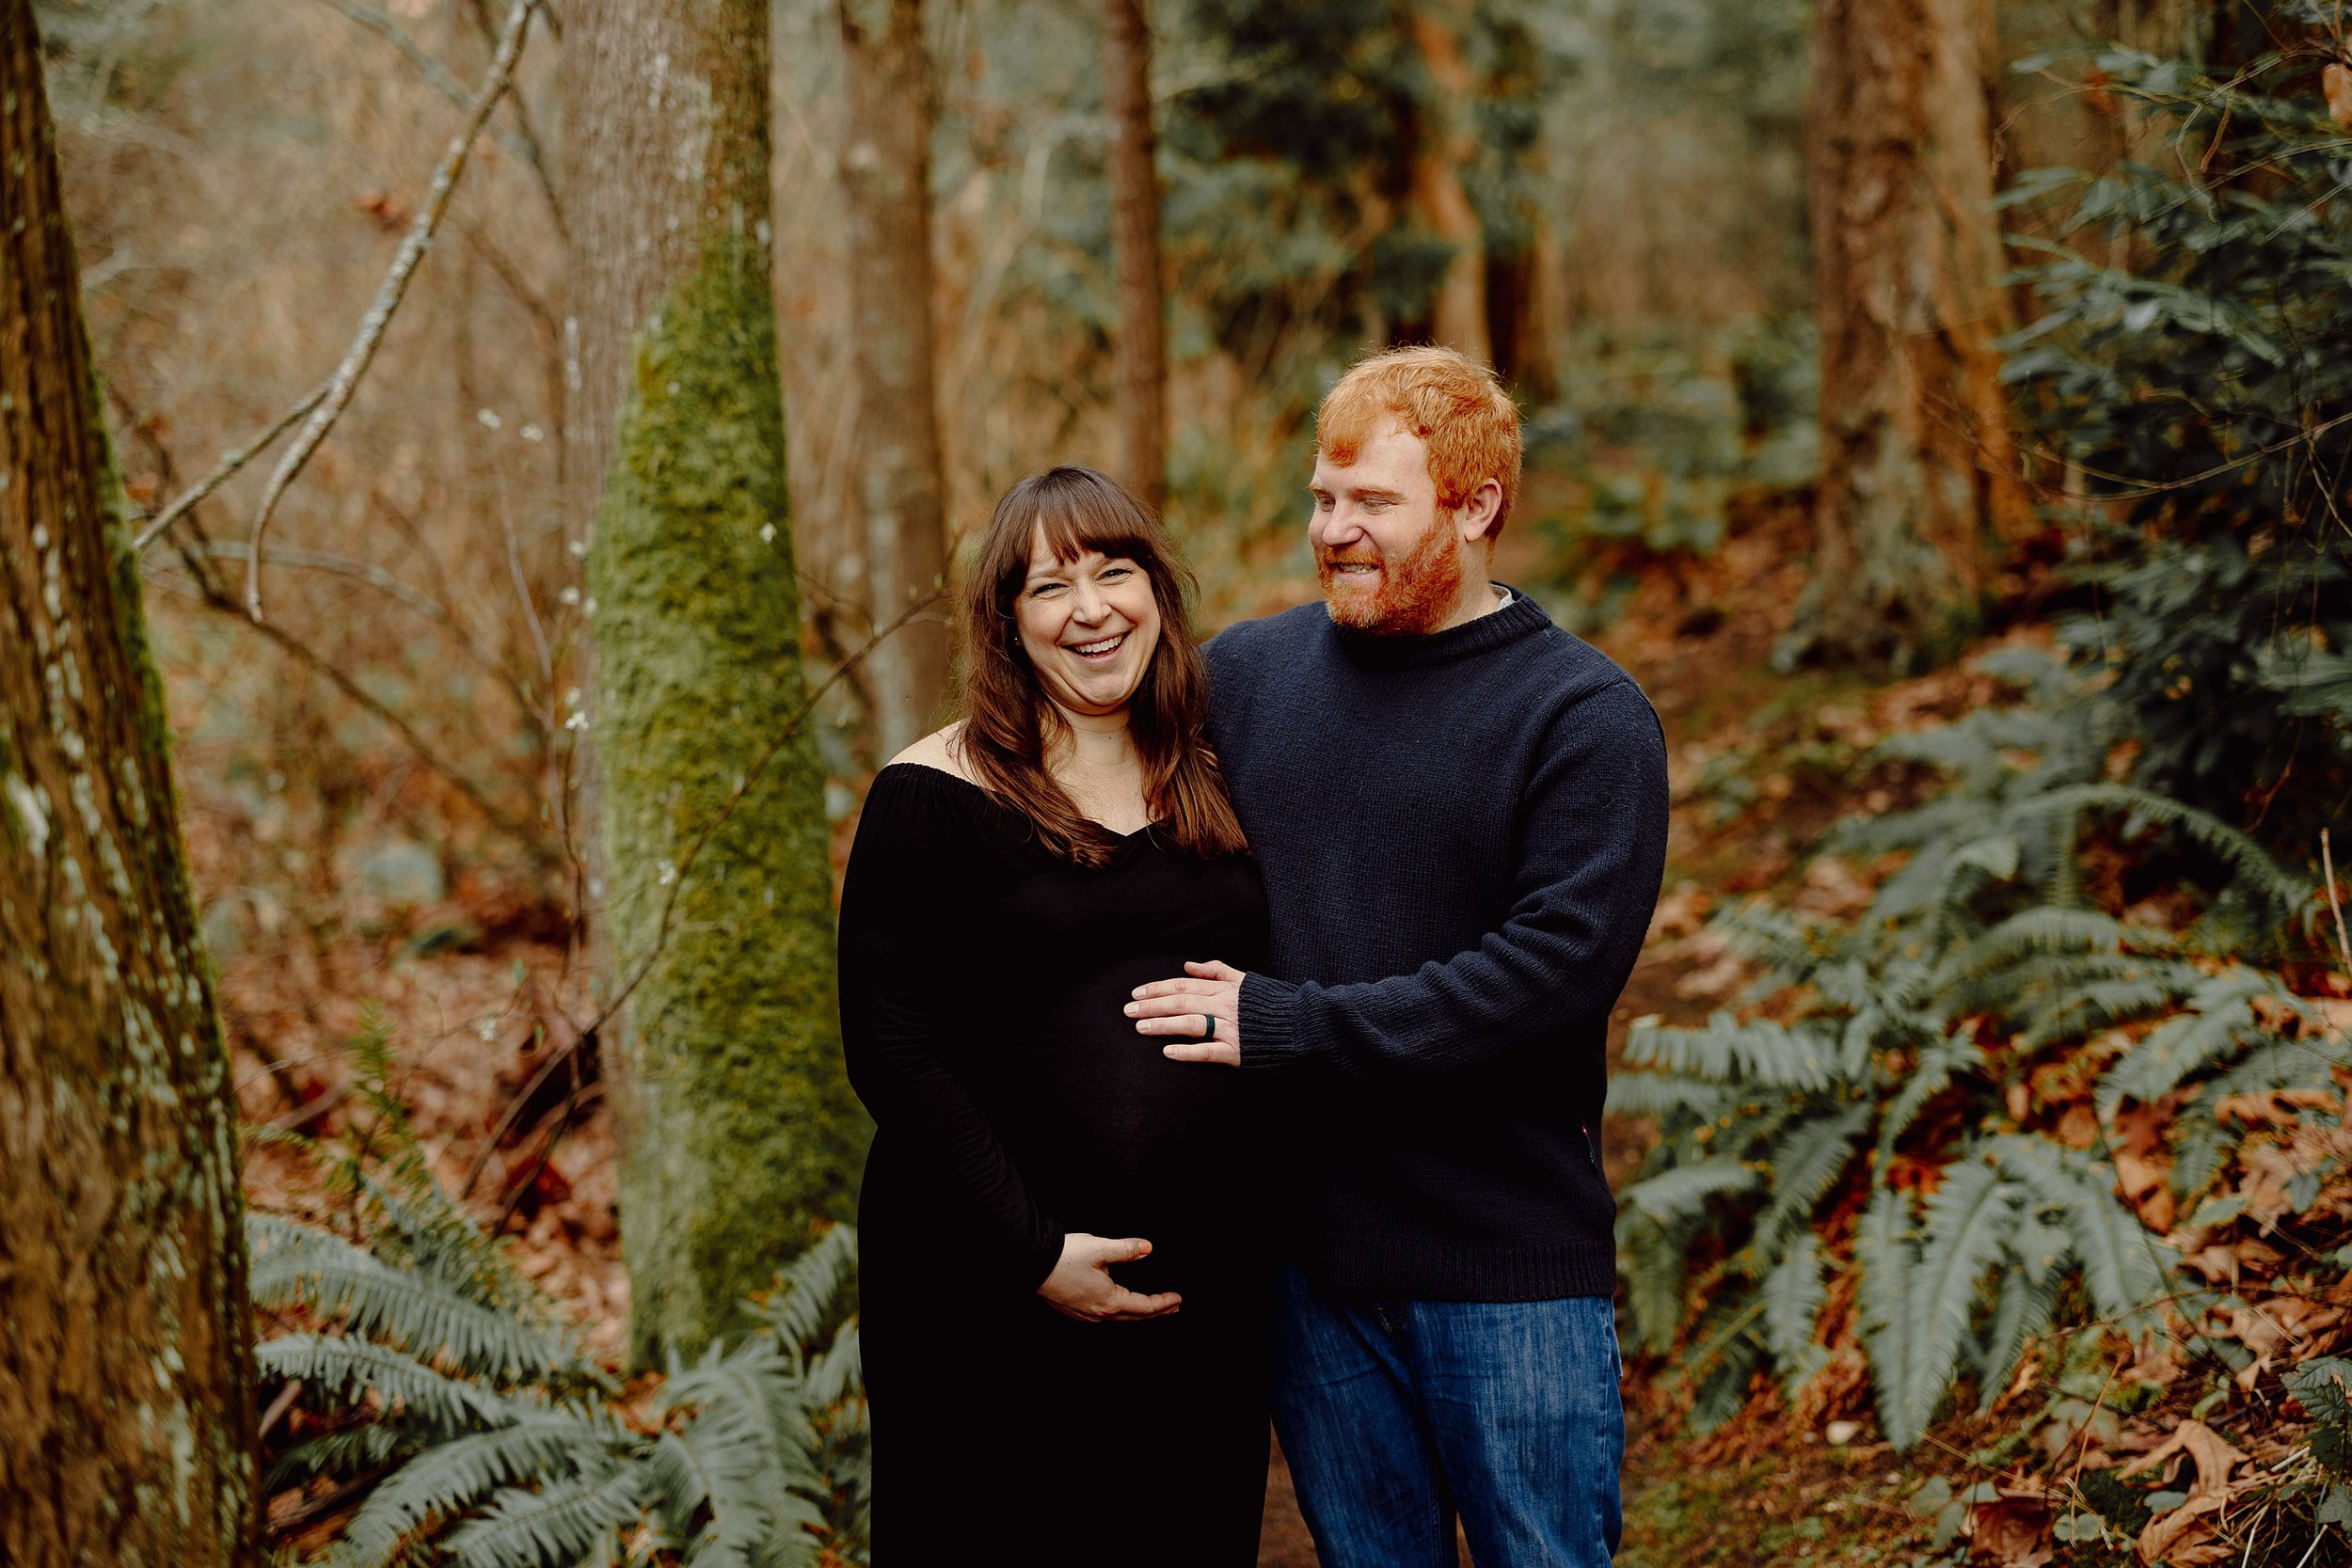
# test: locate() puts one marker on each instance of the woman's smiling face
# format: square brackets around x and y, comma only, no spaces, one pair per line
[1088,625]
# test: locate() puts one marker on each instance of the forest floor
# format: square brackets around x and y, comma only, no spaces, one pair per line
[464,981]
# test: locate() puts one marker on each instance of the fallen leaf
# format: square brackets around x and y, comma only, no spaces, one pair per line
[2012,1531]
[2139,1175]
[2215,1457]
[2217,1264]
[2337,80]
[2276,1106]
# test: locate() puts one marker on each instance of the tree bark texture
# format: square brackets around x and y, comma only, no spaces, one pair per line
[126,1369]
[1458,315]
[1134,183]
[738,1127]
[1919,467]
[886,172]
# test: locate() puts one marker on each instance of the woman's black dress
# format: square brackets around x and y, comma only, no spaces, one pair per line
[982,980]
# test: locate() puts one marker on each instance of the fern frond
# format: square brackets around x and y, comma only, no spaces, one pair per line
[1685,1189]
[2103,1003]
[1794,1294]
[1660,1094]
[1887,1256]
[1805,1166]
[297,1265]
[1931,1077]
[1969,1218]
[336,1365]
[839,1371]
[1726,1050]
[1656,1265]
[810,1289]
[2123,1266]
[2021,1312]
[449,1476]
[338,1453]
[2221,1019]
[555,1526]
[751,1449]
[2248,861]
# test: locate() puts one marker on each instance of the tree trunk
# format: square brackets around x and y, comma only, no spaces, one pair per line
[1136,251]
[1457,316]
[738,1127]
[885,172]
[126,1366]
[1918,483]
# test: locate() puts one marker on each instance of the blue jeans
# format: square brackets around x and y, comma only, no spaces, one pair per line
[1394,1415]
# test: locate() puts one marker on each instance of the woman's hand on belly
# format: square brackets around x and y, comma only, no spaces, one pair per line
[1081,1284]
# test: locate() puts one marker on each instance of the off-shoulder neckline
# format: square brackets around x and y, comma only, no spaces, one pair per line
[987,795]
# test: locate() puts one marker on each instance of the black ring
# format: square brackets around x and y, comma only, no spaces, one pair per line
[1212,1021]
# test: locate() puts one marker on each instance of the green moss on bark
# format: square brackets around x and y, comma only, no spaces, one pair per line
[740,1125]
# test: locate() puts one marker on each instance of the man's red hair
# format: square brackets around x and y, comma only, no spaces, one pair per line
[1452,403]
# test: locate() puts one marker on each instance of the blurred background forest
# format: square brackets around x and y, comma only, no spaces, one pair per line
[1980,1146]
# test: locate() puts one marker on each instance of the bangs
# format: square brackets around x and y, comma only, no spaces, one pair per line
[1077,517]
[1078,511]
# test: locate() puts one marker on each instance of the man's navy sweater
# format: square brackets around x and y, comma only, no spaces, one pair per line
[1462,836]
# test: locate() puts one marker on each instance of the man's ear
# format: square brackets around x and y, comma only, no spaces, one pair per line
[1480,516]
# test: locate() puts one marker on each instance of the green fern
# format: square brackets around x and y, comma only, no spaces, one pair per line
[1794,1293]
[427,1356]
[296,1266]
[1887,1256]
[1983,935]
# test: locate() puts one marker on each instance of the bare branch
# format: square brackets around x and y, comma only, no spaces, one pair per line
[391,587]
[388,297]
[230,464]
[523,143]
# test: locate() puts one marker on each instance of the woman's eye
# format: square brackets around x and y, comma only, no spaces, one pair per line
[1111,572]
[1045,589]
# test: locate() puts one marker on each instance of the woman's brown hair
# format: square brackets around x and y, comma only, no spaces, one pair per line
[1010,723]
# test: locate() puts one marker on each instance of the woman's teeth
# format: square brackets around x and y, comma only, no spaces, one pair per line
[1102,649]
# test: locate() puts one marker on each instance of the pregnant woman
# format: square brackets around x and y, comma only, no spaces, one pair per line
[1061,1302]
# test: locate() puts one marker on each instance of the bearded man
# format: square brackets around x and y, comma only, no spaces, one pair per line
[1460,813]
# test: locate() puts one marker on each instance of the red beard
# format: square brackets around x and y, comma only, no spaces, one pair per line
[1417,591]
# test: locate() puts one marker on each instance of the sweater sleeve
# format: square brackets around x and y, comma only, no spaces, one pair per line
[1592,849]
[906,915]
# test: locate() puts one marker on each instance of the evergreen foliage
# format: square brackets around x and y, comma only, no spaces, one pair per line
[1881,1093]
[429,1368]
[2186,366]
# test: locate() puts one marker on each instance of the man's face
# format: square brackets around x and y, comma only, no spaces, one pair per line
[1390,562]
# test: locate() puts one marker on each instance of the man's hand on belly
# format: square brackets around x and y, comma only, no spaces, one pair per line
[1205,1007]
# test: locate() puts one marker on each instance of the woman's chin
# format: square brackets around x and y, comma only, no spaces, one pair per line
[1100,694]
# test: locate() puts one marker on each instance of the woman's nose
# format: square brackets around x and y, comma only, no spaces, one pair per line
[1089,605]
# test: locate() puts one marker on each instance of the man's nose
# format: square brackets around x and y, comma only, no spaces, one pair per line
[1335,528]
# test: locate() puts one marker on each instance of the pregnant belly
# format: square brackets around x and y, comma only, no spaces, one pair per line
[1116,1140]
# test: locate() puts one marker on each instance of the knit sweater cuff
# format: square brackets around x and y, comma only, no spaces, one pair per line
[1269,1012]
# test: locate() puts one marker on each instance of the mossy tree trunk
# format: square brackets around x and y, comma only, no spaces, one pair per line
[738,1127]
[1919,483]
[126,1371]
[886,172]
[1135,188]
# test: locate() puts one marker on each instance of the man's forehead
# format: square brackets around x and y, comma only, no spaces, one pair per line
[1382,462]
